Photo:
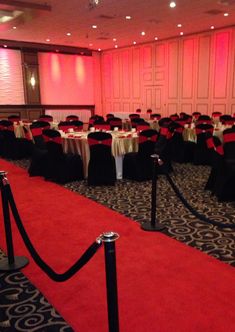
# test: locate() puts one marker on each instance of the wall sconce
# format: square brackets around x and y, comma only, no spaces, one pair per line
[32,81]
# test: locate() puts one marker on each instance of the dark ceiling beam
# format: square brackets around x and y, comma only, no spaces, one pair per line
[25,4]
[37,47]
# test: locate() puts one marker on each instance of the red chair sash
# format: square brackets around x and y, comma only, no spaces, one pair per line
[228,122]
[204,122]
[115,123]
[107,141]
[143,139]
[46,119]
[102,126]
[179,130]
[219,149]
[229,137]
[65,128]
[200,131]
[210,143]
[10,128]
[142,127]
[56,139]
[37,131]
[164,131]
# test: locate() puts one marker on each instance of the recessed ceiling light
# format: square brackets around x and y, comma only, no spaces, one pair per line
[172,4]
[5,46]
[57,51]
[68,33]
[47,39]
[156,38]
[94,26]
[142,33]
[212,27]
[134,42]
[226,14]
[14,28]
[128,17]
[99,49]
[181,33]
[90,44]
[179,25]
[114,39]
[116,46]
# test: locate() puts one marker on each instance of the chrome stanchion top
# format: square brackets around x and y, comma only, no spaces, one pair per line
[107,237]
[3,178]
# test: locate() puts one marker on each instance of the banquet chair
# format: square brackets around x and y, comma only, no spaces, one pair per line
[177,143]
[115,122]
[227,119]
[201,153]
[165,121]
[139,165]
[196,115]
[39,157]
[216,115]
[65,126]
[137,121]
[142,125]
[155,116]
[94,118]
[45,117]
[174,117]
[14,118]
[134,116]
[11,146]
[61,167]
[102,126]
[224,182]
[138,110]
[149,111]
[77,125]
[101,167]
[204,119]
[72,117]
[109,116]
[215,147]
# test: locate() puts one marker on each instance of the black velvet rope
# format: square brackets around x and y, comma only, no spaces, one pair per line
[192,210]
[86,256]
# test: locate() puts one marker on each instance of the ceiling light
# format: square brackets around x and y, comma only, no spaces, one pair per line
[94,26]
[5,46]
[99,49]
[14,28]
[114,39]
[179,25]
[134,42]
[212,27]
[226,14]
[156,38]
[172,4]
[47,39]
[68,33]
[90,44]
[128,17]
[116,46]
[181,33]
[142,33]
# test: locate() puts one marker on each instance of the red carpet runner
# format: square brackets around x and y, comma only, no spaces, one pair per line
[164,285]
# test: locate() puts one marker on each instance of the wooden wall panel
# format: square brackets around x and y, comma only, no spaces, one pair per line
[221,64]
[136,73]
[202,108]
[187,69]
[173,70]
[116,75]
[107,75]
[126,74]
[203,70]
[182,74]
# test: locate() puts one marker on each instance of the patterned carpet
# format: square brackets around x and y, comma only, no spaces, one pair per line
[25,309]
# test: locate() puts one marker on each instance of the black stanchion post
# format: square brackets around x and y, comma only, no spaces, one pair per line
[109,239]
[153,225]
[11,262]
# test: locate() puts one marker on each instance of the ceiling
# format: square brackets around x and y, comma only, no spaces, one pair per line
[50,22]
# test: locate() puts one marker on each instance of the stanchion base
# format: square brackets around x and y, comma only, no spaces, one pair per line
[19,263]
[149,227]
